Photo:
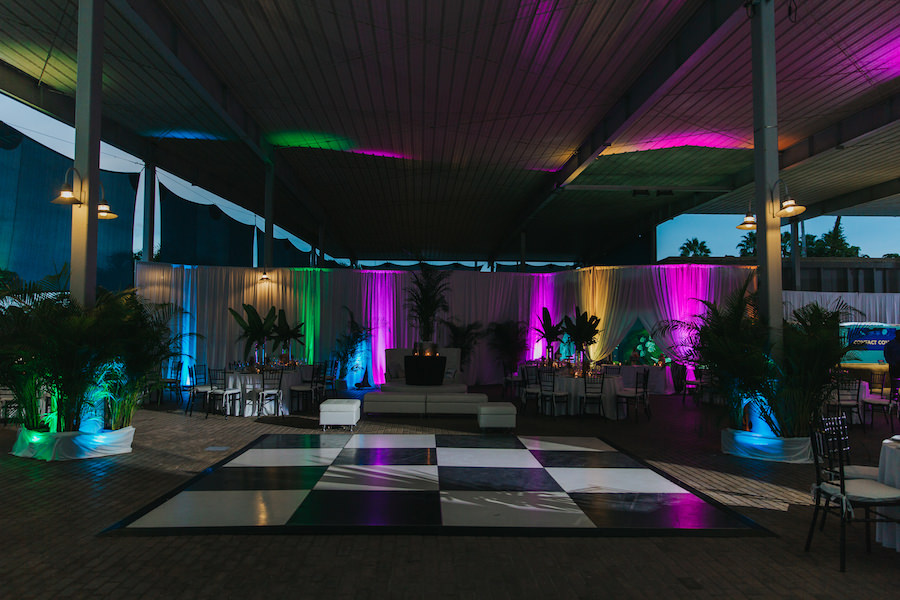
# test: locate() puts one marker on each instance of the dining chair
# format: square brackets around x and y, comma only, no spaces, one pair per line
[593,394]
[549,393]
[313,389]
[220,392]
[612,369]
[845,397]
[842,495]
[638,396]
[198,386]
[269,391]
[531,387]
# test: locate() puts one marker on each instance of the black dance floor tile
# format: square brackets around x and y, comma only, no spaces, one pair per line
[386,456]
[656,511]
[368,509]
[260,478]
[484,485]
[501,441]
[498,479]
[289,440]
[596,460]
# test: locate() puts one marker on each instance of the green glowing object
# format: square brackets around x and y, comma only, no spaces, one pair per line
[308,287]
[310,139]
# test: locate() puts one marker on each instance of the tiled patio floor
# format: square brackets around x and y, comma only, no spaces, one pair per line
[51,514]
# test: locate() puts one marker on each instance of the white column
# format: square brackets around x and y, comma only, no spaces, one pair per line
[765,157]
[83,279]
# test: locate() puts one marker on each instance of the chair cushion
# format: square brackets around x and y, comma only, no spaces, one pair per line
[860,472]
[863,490]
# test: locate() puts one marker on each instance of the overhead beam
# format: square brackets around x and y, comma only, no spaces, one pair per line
[704,26]
[643,188]
[164,36]
[851,199]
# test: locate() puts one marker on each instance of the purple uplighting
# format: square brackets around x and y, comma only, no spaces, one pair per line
[381,302]
[542,295]
[382,153]
[703,139]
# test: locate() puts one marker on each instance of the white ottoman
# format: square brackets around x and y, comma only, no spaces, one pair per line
[339,411]
[497,415]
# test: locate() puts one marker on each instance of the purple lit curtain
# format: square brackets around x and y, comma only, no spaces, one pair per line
[317,297]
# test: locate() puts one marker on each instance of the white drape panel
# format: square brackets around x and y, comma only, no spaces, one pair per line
[317,297]
[877,308]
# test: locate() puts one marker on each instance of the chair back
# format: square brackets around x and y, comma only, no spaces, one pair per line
[531,375]
[641,379]
[679,376]
[847,386]
[830,441]
[593,385]
[546,377]
[272,379]
[217,378]
[199,375]
[612,370]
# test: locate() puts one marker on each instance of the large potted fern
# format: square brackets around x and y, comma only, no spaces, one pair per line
[426,299]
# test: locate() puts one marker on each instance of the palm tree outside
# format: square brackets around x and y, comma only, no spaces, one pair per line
[694,247]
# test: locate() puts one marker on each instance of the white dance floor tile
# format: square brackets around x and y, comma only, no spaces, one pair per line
[379,478]
[232,508]
[285,457]
[613,481]
[584,444]
[511,509]
[486,457]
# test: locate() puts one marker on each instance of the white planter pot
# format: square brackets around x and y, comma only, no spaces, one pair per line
[70,445]
[762,447]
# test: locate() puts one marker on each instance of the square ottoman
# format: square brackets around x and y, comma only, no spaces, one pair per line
[339,411]
[501,415]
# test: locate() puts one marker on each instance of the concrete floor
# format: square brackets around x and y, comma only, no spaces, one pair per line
[51,515]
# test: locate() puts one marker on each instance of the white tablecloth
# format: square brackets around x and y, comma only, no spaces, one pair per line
[888,534]
[574,386]
[659,382]
[248,382]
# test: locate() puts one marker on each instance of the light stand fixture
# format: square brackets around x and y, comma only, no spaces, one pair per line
[789,206]
[66,195]
[265,276]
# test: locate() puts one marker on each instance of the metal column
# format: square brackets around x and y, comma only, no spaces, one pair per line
[765,158]
[269,209]
[83,282]
[149,210]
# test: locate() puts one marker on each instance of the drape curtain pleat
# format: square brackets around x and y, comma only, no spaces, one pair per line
[875,308]
[320,298]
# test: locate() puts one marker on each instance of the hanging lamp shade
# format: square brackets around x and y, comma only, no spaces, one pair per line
[789,208]
[104,212]
[749,222]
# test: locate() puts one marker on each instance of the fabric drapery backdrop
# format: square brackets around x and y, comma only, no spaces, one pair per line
[35,235]
[652,294]
[318,297]
[876,308]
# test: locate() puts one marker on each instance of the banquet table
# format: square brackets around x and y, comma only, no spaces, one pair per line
[574,386]
[248,382]
[659,382]
[888,534]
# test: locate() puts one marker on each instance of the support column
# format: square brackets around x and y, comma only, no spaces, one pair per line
[795,255]
[149,210]
[269,209]
[765,158]
[522,249]
[88,89]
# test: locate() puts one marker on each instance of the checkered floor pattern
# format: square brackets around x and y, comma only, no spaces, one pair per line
[515,485]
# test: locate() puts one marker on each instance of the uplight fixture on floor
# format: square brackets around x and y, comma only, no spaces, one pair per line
[789,206]
[66,195]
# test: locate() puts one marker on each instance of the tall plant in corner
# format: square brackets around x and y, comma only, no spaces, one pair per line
[426,298]
[583,332]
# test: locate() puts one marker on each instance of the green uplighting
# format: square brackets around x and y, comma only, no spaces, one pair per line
[308,287]
[310,139]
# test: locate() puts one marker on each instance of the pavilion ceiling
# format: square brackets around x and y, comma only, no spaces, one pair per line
[403,128]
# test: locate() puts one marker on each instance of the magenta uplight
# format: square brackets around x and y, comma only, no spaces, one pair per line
[542,288]
[382,153]
[702,139]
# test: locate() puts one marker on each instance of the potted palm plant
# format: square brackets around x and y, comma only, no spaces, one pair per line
[349,343]
[583,332]
[507,340]
[255,330]
[549,332]
[283,335]
[464,337]
[426,298]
